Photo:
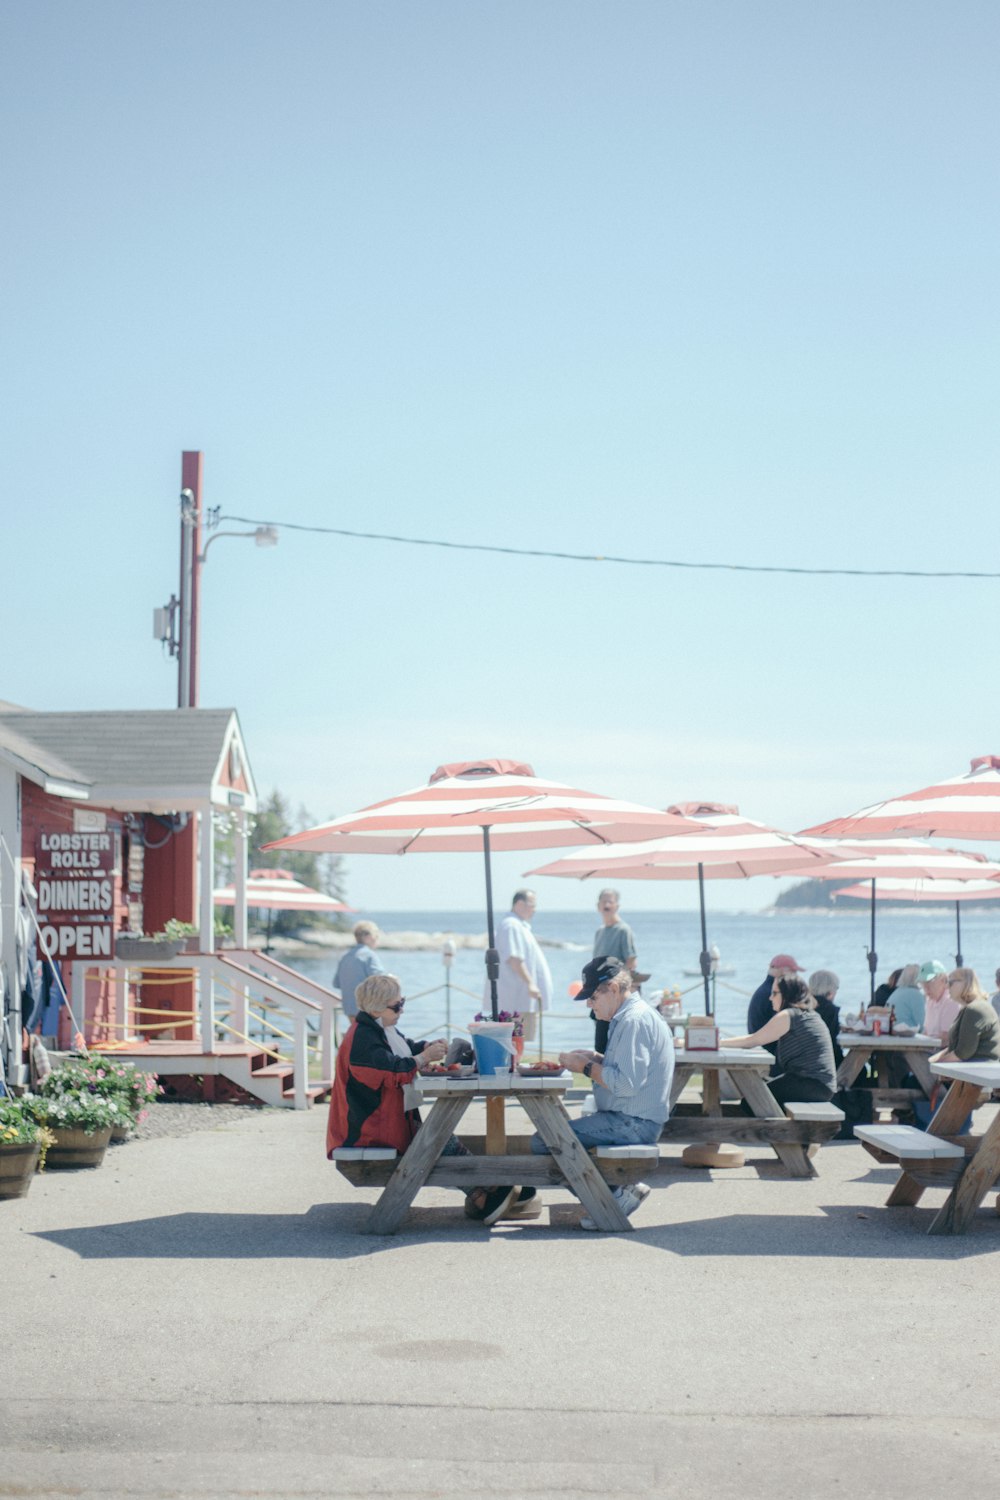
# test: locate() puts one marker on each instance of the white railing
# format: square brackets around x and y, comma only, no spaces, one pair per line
[234,990]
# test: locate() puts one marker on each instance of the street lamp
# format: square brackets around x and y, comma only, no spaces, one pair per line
[177,623]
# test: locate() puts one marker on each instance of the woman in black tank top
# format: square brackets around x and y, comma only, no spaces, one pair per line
[805,1068]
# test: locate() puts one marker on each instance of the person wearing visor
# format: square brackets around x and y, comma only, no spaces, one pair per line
[631,1079]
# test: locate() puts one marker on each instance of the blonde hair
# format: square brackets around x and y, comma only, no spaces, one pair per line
[365,930]
[908,976]
[376,993]
[971,988]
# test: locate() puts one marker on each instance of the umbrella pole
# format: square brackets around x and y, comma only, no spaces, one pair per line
[872,955]
[958,935]
[492,956]
[704,958]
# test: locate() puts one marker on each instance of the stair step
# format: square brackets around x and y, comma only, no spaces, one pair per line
[314,1091]
[275,1070]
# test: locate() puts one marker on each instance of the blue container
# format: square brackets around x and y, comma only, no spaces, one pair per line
[494,1053]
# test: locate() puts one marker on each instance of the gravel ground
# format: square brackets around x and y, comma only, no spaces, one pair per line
[165,1119]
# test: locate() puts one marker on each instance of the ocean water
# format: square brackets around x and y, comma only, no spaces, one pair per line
[668,943]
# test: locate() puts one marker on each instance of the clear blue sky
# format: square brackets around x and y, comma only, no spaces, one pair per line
[704,281]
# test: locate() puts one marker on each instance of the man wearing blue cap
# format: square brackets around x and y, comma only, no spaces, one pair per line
[631,1079]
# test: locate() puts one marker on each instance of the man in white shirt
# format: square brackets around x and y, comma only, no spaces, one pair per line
[524,983]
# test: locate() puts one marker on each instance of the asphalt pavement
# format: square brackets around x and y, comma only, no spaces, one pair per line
[207,1316]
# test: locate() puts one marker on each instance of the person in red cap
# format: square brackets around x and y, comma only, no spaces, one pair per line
[759,1012]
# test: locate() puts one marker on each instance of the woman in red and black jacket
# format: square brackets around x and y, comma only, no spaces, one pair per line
[375,1062]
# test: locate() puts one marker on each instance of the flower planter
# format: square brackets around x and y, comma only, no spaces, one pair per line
[148,950]
[17,1167]
[75,1148]
[121,1133]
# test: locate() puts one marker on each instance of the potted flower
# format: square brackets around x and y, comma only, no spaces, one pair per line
[110,1078]
[80,1124]
[23,1143]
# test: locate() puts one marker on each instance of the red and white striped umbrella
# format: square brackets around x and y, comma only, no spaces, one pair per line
[895,859]
[485,805]
[278,890]
[965,807]
[727,847]
[931,890]
[521,811]
[927,890]
[901,859]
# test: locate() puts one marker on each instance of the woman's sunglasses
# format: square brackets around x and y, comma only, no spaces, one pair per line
[398,1005]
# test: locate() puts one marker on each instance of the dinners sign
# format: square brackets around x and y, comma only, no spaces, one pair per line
[74,877]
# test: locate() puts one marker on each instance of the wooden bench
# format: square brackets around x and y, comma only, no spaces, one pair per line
[930,1160]
[372,1166]
[801,1126]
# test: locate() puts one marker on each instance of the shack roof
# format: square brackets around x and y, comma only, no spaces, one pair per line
[144,760]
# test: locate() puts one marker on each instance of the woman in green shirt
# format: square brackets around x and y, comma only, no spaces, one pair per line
[975,1032]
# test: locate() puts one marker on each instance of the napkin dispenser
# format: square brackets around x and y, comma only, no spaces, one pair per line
[701,1035]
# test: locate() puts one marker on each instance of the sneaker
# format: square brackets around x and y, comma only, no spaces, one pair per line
[527,1205]
[498,1200]
[628,1198]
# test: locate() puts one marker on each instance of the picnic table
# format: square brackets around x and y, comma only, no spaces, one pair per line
[497,1157]
[859,1047]
[968,1165]
[789,1132]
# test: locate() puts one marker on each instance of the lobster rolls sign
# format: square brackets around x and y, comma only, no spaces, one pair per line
[75,880]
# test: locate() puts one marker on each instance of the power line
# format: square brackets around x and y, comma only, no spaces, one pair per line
[597,557]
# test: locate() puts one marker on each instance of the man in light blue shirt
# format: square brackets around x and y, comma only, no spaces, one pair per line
[357,964]
[632,1080]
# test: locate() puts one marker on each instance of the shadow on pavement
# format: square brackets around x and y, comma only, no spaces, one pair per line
[339,1231]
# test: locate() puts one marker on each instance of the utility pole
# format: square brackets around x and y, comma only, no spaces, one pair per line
[192,464]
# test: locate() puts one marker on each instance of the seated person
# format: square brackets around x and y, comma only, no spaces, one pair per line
[940,1010]
[824,985]
[782,965]
[631,1079]
[804,1049]
[885,992]
[368,1103]
[975,1033]
[906,999]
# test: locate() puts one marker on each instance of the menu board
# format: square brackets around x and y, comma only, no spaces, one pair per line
[75,880]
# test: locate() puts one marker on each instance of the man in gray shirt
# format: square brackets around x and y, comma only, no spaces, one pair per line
[631,1080]
[612,940]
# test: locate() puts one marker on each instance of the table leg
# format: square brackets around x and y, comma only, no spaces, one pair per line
[552,1123]
[921,1070]
[980,1174]
[711,1092]
[766,1107]
[496,1126]
[415,1166]
[682,1072]
[854,1060]
[949,1115]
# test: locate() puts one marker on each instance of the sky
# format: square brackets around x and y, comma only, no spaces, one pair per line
[665,279]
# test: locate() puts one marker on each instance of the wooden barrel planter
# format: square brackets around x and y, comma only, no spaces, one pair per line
[17,1167]
[75,1148]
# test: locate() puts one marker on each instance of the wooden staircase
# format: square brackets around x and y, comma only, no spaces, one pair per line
[249,1071]
[258,1030]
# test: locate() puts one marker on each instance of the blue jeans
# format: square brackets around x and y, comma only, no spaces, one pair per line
[608,1127]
